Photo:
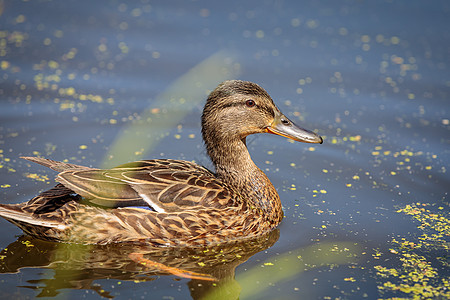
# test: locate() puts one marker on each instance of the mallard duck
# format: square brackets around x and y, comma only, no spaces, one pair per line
[171,202]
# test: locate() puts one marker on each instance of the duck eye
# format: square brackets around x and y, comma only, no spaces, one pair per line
[250,103]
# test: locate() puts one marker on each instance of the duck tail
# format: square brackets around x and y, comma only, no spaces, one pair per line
[26,221]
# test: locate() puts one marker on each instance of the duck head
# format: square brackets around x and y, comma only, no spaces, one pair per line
[236,109]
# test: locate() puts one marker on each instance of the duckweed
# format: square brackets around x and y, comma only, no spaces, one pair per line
[420,261]
[37,177]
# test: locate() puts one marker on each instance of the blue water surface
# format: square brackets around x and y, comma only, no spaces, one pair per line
[363,209]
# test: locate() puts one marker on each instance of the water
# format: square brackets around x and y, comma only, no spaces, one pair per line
[366,213]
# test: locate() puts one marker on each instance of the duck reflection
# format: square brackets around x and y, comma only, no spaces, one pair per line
[211,269]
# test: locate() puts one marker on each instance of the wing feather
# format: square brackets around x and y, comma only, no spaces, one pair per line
[163,185]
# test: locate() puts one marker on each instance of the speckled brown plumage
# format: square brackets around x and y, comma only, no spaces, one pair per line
[171,202]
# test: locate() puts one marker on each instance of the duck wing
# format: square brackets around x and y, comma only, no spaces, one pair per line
[163,185]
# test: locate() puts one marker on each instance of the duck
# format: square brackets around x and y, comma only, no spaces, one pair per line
[167,202]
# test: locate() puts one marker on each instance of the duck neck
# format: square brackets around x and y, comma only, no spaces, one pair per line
[235,168]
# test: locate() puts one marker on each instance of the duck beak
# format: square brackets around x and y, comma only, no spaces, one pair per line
[285,127]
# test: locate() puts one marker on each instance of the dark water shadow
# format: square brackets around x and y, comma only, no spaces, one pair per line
[82,266]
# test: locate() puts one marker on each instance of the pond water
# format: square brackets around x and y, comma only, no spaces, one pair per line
[103,83]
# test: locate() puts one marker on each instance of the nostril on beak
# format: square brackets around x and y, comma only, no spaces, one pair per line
[285,122]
